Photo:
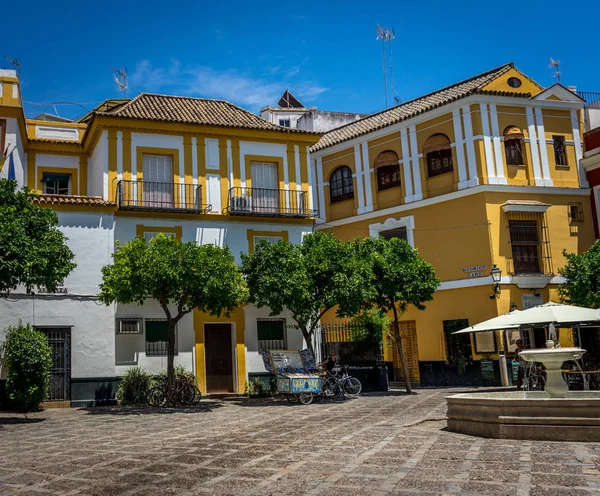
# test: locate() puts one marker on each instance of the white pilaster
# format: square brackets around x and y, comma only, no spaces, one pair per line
[297,167]
[416,170]
[487,145]
[541,134]
[533,145]
[359,181]
[583,182]
[471,160]
[460,151]
[242,169]
[195,161]
[311,181]
[286,180]
[229,165]
[133,162]
[320,188]
[500,177]
[367,173]
[406,167]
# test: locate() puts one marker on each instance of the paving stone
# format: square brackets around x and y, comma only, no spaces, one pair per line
[378,444]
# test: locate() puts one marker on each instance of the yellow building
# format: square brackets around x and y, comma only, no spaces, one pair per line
[201,170]
[484,172]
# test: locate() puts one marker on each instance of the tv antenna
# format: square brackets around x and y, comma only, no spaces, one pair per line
[16,63]
[387,44]
[556,65]
[120,77]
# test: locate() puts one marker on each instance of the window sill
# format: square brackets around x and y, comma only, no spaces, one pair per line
[563,167]
[341,200]
[517,165]
[388,187]
[531,281]
[441,174]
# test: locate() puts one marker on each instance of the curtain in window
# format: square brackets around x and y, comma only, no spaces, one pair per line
[158,181]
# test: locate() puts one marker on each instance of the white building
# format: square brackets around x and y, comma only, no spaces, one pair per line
[201,170]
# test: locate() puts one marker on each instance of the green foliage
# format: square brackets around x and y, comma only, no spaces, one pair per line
[28,357]
[133,386]
[308,279]
[180,276]
[371,326]
[32,249]
[583,278]
[257,388]
[179,372]
[399,278]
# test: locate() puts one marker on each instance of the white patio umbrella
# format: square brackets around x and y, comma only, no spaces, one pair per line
[494,324]
[548,313]
[555,313]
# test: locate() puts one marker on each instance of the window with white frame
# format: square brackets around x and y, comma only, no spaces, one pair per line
[402,228]
[56,184]
[284,122]
[129,326]
[268,239]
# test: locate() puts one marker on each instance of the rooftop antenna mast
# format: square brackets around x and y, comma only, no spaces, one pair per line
[120,77]
[556,65]
[16,63]
[387,36]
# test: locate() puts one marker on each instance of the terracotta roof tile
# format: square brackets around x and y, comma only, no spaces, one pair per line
[90,201]
[415,107]
[167,108]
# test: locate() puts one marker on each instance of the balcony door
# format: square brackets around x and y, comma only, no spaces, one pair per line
[158,181]
[265,187]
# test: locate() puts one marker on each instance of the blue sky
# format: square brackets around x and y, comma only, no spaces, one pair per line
[324,52]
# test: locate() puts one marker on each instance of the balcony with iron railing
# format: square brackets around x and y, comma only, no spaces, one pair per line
[268,202]
[160,196]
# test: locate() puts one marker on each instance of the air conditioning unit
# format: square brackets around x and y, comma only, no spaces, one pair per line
[241,204]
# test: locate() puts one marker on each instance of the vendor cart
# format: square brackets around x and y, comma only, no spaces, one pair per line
[296,372]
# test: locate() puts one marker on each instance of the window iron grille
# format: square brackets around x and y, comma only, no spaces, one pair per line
[560,154]
[129,326]
[529,242]
[575,212]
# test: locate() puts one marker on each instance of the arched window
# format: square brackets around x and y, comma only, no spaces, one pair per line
[340,184]
[439,155]
[513,139]
[388,170]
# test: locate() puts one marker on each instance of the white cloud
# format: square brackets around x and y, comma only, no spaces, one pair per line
[231,84]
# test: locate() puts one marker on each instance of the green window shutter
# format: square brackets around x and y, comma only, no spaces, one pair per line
[270,329]
[156,330]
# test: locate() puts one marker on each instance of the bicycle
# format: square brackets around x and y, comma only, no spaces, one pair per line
[346,385]
[186,392]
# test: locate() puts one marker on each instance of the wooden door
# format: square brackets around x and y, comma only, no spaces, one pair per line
[218,354]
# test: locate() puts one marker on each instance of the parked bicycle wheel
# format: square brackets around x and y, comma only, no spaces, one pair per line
[351,386]
[306,398]
[331,387]
[156,397]
[186,395]
[197,396]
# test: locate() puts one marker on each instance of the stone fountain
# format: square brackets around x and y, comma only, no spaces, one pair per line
[555,414]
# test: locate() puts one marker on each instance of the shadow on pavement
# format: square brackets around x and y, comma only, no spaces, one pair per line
[19,420]
[148,410]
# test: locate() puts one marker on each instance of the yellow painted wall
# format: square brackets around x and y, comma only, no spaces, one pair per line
[345,208]
[501,84]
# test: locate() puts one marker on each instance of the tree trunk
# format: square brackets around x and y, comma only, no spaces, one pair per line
[171,395]
[398,340]
[308,338]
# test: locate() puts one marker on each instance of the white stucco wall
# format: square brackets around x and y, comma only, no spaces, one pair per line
[62,161]
[130,349]
[294,339]
[222,233]
[90,237]
[14,141]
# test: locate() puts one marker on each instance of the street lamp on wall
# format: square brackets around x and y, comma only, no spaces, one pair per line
[496,274]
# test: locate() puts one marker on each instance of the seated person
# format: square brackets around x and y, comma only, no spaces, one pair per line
[330,362]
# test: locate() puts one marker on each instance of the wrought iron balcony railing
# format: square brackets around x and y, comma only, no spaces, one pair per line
[159,196]
[268,202]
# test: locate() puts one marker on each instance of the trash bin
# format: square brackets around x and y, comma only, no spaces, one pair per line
[515,370]
[383,383]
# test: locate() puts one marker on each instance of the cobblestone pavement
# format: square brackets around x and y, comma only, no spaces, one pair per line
[377,445]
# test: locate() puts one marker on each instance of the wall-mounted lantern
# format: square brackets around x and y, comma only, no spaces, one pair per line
[496,274]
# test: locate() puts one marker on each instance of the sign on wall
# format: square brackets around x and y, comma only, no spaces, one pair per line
[475,270]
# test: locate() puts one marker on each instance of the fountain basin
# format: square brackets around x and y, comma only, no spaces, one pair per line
[532,415]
